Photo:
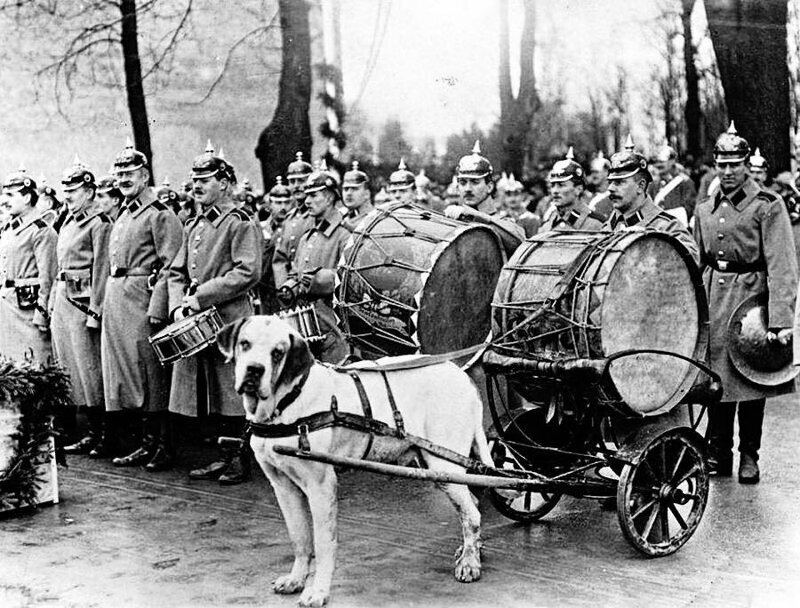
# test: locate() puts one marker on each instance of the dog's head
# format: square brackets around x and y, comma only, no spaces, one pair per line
[271,359]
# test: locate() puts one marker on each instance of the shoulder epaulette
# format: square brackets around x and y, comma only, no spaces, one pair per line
[39,223]
[769,196]
[596,216]
[241,214]
[103,217]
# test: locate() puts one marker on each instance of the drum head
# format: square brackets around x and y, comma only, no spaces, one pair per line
[455,305]
[652,301]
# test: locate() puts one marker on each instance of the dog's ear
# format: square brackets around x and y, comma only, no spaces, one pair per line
[227,336]
[298,360]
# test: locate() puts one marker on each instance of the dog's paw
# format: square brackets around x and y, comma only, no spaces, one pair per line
[468,564]
[286,585]
[313,597]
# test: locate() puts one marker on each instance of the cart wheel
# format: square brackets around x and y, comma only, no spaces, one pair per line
[661,499]
[519,505]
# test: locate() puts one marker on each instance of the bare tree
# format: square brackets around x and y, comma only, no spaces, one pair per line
[289,130]
[749,38]
[103,42]
[516,113]
[692,113]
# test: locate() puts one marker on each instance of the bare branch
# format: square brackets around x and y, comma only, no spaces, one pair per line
[254,32]
[173,41]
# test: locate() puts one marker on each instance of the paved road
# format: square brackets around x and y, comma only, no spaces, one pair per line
[132,539]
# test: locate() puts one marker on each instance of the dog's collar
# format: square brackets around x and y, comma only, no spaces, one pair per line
[292,395]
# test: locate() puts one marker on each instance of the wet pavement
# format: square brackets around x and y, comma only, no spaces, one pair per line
[127,538]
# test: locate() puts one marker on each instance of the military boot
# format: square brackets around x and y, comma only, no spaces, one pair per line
[748,468]
[214,469]
[94,416]
[163,457]
[141,455]
[107,445]
[238,471]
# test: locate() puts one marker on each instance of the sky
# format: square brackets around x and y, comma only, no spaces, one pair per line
[438,62]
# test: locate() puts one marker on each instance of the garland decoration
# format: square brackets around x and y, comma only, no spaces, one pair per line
[31,394]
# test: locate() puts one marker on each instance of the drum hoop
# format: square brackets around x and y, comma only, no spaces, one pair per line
[211,319]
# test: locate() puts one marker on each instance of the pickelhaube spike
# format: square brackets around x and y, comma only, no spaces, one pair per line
[209,147]
[129,159]
[757,161]
[629,143]
[221,153]
[567,170]
[322,179]
[299,167]
[628,163]
[165,183]
[18,180]
[401,178]
[77,175]
[355,176]
[280,191]
[209,164]
[474,165]
[730,147]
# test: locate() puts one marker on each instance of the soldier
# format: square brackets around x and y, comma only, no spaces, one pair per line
[49,208]
[424,194]
[673,190]
[168,197]
[314,268]
[108,196]
[474,175]
[757,168]
[188,209]
[515,207]
[144,240]
[356,195]
[297,221]
[219,261]
[566,192]
[628,182]
[76,300]
[597,180]
[27,270]
[452,196]
[745,241]
[272,220]
[402,184]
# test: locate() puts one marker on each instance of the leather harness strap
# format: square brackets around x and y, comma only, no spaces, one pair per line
[362,395]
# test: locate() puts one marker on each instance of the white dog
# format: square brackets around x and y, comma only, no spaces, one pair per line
[438,402]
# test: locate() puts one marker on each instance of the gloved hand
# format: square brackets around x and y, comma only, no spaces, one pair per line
[287,297]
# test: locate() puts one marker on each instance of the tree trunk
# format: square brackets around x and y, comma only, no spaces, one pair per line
[137,105]
[692,112]
[516,113]
[290,129]
[749,38]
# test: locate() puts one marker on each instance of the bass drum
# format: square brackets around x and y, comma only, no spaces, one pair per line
[415,281]
[590,295]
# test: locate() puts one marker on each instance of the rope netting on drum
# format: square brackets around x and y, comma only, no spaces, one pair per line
[559,322]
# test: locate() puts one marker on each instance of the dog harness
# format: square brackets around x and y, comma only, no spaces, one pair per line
[365,423]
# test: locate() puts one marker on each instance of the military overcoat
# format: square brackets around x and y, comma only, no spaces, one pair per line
[221,254]
[749,227]
[321,247]
[580,217]
[144,240]
[77,301]
[27,270]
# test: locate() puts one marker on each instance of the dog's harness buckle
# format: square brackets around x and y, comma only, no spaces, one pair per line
[302,438]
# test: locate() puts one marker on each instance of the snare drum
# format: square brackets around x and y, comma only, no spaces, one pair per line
[186,337]
[304,321]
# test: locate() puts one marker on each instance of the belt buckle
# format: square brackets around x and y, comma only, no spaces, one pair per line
[722,265]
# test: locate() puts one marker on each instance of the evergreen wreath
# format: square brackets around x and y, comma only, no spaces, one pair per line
[40,391]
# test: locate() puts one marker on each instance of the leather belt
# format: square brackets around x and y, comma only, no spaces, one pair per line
[119,271]
[737,267]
